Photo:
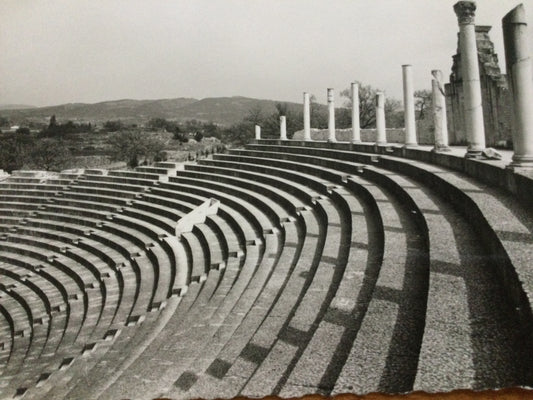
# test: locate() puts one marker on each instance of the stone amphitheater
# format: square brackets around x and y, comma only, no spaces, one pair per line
[288,267]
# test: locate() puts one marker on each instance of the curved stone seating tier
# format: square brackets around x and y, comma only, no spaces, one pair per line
[273,212]
[453,342]
[270,187]
[146,176]
[325,270]
[208,289]
[210,321]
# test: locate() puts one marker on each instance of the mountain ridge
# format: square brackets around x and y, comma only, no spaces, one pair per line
[220,110]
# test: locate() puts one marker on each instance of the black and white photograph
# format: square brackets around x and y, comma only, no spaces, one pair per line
[211,199]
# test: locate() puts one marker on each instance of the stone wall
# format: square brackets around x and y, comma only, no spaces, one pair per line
[394,135]
[496,98]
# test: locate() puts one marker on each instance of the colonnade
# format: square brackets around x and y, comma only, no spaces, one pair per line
[519,70]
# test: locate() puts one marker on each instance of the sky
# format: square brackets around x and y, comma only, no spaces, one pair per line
[67,51]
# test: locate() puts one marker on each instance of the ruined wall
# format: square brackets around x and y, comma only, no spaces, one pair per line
[496,98]
[394,135]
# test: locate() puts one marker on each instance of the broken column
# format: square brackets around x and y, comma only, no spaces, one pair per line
[356,129]
[257,132]
[307,117]
[282,127]
[331,119]
[409,106]
[438,101]
[475,130]
[518,63]
[381,137]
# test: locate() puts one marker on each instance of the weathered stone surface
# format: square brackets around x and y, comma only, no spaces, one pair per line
[496,97]
[519,68]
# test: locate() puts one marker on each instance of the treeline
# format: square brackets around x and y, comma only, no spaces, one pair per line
[56,129]
[243,131]
[24,150]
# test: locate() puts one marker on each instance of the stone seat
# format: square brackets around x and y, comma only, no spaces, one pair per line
[20,332]
[214,245]
[270,207]
[116,184]
[40,325]
[291,203]
[232,327]
[145,176]
[193,324]
[109,353]
[47,186]
[300,371]
[98,277]
[112,190]
[268,310]
[139,261]
[436,332]
[228,202]
[155,170]
[305,191]
[182,203]
[64,320]
[24,194]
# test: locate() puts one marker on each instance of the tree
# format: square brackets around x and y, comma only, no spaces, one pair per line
[423,102]
[23,130]
[14,151]
[367,107]
[113,126]
[198,136]
[50,154]
[53,123]
[255,115]
[132,146]
[319,115]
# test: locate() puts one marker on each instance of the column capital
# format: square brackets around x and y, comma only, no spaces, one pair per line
[465,11]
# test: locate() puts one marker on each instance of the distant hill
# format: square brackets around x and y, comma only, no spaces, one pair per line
[14,106]
[220,110]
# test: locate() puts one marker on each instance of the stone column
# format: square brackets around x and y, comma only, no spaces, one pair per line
[331,119]
[438,108]
[307,117]
[282,127]
[257,132]
[356,128]
[381,137]
[409,106]
[475,130]
[518,64]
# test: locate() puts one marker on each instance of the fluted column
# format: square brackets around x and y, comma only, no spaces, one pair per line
[282,127]
[356,128]
[475,130]
[438,107]
[518,64]
[307,117]
[257,132]
[409,106]
[331,119]
[380,119]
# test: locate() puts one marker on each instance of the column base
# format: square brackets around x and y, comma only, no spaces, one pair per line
[356,141]
[332,140]
[520,162]
[380,143]
[473,154]
[440,149]
[410,145]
